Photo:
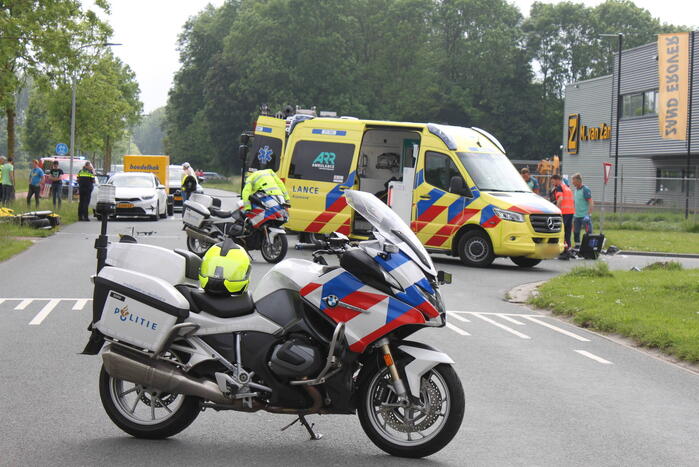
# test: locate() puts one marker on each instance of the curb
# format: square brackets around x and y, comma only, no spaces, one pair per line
[661,254]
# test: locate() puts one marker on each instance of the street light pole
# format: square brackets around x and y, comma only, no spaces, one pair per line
[620,42]
[72,121]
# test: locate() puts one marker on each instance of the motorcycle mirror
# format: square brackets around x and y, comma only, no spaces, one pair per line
[443,277]
[390,248]
[244,139]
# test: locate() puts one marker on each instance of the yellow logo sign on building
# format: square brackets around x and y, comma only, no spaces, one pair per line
[673,77]
[573,133]
[152,164]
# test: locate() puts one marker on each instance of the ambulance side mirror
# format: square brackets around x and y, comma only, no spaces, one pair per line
[458,187]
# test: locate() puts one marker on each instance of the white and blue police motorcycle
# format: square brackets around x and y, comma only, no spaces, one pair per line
[311,338]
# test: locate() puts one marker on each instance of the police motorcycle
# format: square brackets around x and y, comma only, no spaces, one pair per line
[256,229]
[310,339]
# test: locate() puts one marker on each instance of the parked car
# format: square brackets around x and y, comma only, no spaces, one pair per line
[138,194]
[175,185]
[214,177]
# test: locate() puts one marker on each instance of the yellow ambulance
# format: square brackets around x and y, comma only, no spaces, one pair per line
[454,186]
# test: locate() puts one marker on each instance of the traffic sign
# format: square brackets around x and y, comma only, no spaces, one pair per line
[607,169]
[61,149]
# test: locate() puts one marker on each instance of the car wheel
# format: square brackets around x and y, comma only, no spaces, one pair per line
[164,214]
[157,212]
[475,249]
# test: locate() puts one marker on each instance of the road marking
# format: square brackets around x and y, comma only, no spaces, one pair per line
[501,326]
[512,320]
[48,308]
[459,317]
[80,304]
[1,300]
[494,313]
[457,330]
[594,357]
[557,329]
[23,304]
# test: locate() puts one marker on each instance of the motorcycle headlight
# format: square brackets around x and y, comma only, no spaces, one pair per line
[509,215]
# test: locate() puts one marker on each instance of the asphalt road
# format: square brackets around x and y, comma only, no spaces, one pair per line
[538,391]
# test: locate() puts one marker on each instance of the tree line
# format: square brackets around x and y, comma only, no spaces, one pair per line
[47,47]
[464,62]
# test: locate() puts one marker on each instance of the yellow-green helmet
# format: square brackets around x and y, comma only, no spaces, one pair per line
[225,268]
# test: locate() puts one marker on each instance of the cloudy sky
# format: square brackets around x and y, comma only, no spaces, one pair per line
[148,30]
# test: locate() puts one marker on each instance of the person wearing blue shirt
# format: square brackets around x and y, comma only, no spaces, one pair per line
[35,177]
[531,182]
[583,208]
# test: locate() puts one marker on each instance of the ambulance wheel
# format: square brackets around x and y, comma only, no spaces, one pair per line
[523,262]
[274,251]
[144,412]
[475,249]
[314,238]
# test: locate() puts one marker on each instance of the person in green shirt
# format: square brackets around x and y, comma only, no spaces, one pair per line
[582,219]
[7,179]
[263,180]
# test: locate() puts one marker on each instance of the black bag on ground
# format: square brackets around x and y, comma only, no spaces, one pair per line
[591,246]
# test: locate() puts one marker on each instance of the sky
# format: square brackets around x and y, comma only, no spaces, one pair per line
[148,30]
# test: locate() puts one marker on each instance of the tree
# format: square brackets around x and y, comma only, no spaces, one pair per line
[149,134]
[37,135]
[41,36]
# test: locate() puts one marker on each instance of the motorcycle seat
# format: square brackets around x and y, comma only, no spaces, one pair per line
[220,212]
[221,306]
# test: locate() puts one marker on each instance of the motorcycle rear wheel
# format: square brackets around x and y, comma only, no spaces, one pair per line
[275,251]
[196,246]
[175,412]
[430,425]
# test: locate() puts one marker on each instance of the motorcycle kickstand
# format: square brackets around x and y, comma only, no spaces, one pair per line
[314,436]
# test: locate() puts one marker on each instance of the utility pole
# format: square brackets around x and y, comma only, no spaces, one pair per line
[620,44]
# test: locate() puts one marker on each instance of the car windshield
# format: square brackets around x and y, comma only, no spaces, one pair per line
[390,226]
[78,164]
[132,181]
[492,171]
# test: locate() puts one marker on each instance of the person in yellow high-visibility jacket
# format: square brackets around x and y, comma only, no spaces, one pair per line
[265,180]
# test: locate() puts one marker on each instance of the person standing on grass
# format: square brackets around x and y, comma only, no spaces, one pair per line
[583,208]
[530,181]
[7,179]
[35,177]
[86,182]
[56,185]
[566,203]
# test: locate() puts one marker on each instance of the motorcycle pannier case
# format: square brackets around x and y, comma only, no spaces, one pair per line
[194,214]
[136,308]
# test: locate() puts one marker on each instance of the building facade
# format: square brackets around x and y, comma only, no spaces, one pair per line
[651,169]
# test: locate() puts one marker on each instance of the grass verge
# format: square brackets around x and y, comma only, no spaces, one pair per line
[642,240]
[232,184]
[657,307]
[10,245]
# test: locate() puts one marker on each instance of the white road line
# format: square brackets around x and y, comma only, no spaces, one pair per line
[23,304]
[459,317]
[493,313]
[557,329]
[594,357]
[457,330]
[41,315]
[1,300]
[511,320]
[501,326]
[80,304]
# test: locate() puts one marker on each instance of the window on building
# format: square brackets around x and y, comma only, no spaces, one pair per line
[672,180]
[639,104]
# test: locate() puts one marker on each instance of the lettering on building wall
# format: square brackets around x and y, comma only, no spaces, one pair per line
[573,133]
[578,132]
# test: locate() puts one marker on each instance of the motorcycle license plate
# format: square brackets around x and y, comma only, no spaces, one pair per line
[124,205]
[192,218]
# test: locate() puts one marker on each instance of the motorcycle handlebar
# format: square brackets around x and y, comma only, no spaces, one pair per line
[307,246]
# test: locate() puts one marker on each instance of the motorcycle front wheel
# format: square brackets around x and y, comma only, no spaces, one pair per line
[414,429]
[197,246]
[146,413]
[274,251]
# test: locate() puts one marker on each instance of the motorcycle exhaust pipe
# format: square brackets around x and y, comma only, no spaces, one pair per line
[202,237]
[160,375]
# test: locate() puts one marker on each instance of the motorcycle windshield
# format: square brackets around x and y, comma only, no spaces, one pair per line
[390,226]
